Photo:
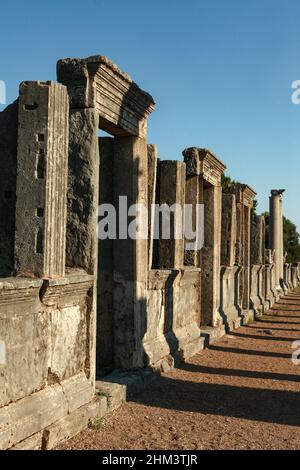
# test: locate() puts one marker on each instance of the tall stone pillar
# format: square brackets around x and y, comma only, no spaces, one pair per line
[42,175]
[172,195]
[108,99]
[257,296]
[209,169]
[193,197]
[230,272]
[276,234]
[152,177]
[130,256]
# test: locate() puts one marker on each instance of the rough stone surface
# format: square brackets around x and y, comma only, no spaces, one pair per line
[97,83]
[228,237]
[83,190]
[171,194]
[114,392]
[8,174]
[130,256]
[40,237]
[152,178]
[105,280]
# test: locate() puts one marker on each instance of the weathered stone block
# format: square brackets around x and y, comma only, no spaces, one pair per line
[114,392]
[228,236]
[42,179]
[8,175]
[172,195]
[83,190]
[95,82]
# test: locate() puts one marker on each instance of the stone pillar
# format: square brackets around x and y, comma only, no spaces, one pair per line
[82,217]
[42,175]
[172,195]
[228,240]
[230,272]
[209,169]
[257,264]
[105,281]
[114,103]
[276,234]
[152,177]
[130,256]
[244,197]
[8,175]
[193,196]
[270,294]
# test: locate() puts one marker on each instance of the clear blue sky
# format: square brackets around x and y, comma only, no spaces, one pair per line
[219,70]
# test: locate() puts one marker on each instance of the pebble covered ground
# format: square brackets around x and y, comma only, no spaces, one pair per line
[241,393]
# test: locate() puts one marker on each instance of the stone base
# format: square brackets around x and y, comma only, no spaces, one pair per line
[233,324]
[120,386]
[212,333]
[248,316]
[45,418]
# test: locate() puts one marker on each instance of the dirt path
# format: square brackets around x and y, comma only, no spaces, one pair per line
[242,393]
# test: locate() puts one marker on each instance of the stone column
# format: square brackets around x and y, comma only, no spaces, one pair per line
[257,264]
[193,196]
[229,270]
[152,177]
[209,168]
[105,281]
[130,256]
[108,99]
[172,196]
[276,234]
[244,197]
[42,175]
[228,241]
[8,174]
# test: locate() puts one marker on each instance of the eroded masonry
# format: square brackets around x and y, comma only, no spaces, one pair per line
[83,321]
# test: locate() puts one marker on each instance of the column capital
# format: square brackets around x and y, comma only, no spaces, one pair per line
[202,162]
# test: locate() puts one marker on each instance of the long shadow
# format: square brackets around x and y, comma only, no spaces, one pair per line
[249,352]
[284,305]
[240,373]
[273,328]
[284,316]
[275,322]
[268,338]
[271,406]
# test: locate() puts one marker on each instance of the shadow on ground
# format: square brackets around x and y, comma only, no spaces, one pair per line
[273,406]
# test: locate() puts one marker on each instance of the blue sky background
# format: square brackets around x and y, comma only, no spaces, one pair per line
[219,70]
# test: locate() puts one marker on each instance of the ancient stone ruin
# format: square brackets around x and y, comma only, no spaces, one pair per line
[86,322]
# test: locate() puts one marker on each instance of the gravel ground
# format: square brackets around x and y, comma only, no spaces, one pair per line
[242,393]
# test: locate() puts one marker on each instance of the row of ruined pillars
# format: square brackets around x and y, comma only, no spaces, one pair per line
[56,219]
[227,239]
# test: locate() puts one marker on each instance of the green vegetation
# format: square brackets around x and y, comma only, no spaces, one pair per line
[291,239]
[96,424]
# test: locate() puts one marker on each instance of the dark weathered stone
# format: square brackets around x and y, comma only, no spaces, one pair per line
[83,190]
[172,192]
[8,173]
[95,82]
[105,282]
[42,164]
[228,236]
